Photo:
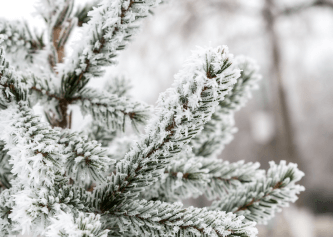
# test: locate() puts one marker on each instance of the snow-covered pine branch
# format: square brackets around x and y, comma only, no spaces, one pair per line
[118,85]
[30,211]
[182,112]
[15,87]
[109,109]
[121,145]
[191,176]
[99,133]
[226,177]
[260,200]
[58,15]
[6,206]
[19,41]
[32,145]
[5,168]
[38,155]
[35,159]
[82,12]
[86,160]
[155,218]
[111,26]
[220,129]
[84,224]
[38,158]
[43,89]
[12,86]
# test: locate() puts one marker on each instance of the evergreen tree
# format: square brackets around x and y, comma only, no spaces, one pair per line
[56,182]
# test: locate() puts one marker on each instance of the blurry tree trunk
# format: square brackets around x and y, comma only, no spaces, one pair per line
[284,142]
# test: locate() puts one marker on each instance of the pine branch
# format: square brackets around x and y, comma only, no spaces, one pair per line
[82,12]
[308,5]
[149,218]
[226,177]
[182,179]
[33,209]
[64,224]
[85,160]
[111,26]
[15,87]
[118,85]
[6,206]
[36,156]
[60,23]
[29,87]
[99,133]
[47,94]
[220,129]
[5,168]
[182,113]
[12,86]
[32,145]
[110,110]
[246,83]
[192,176]
[217,133]
[20,41]
[120,147]
[260,200]
[24,210]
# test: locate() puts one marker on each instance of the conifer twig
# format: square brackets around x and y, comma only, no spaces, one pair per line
[183,110]
[260,200]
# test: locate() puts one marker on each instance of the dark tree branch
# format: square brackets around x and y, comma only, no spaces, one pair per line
[295,10]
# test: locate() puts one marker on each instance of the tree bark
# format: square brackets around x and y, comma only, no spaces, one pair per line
[285,144]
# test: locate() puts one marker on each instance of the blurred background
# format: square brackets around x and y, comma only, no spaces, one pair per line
[289,118]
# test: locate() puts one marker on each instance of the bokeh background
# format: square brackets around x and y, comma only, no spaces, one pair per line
[289,118]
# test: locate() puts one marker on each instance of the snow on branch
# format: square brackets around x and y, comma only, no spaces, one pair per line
[111,110]
[118,85]
[5,168]
[28,210]
[246,83]
[182,112]
[33,209]
[192,176]
[20,41]
[65,224]
[60,22]
[32,145]
[6,206]
[226,177]
[111,26]
[220,129]
[149,218]
[85,160]
[12,86]
[120,146]
[260,200]
[100,133]
[15,86]
[37,155]
[82,12]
